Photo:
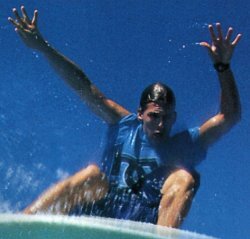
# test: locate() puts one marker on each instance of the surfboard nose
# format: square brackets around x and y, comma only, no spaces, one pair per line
[18,226]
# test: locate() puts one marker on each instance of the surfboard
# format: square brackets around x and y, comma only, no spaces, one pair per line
[18,226]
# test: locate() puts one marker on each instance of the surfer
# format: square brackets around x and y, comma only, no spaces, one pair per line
[147,174]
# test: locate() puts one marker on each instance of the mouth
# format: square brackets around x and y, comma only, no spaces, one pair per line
[158,134]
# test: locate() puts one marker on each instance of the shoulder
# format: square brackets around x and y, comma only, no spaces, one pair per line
[186,146]
[190,135]
[128,118]
[125,124]
[128,121]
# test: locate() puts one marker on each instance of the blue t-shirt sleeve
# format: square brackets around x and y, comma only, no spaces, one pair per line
[128,118]
[198,151]
[187,149]
[194,133]
[127,122]
[121,127]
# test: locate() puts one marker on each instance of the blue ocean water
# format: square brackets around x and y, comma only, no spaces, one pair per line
[47,133]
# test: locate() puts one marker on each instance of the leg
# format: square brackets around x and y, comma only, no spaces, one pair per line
[177,194]
[85,186]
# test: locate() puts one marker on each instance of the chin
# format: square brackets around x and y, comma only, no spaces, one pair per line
[158,137]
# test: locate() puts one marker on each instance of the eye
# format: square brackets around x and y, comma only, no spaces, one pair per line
[154,115]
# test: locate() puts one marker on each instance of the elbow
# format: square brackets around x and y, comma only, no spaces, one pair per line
[236,116]
[233,118]
[232,114]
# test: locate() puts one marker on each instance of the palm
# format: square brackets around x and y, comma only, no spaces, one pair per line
[27,29]
[221,49]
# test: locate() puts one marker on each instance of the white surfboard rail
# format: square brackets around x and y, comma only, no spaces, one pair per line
[21,226]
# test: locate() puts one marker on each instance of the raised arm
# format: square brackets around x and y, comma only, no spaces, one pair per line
[107,109]
[220,51]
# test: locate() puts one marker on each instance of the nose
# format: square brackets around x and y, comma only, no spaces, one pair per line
[161,123]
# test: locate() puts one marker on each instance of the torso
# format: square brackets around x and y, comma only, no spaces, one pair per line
[130,156]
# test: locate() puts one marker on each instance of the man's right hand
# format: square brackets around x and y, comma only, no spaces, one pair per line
[27,29]
[108,110]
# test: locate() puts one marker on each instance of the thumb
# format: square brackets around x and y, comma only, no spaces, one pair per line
[208,47]
[205,44]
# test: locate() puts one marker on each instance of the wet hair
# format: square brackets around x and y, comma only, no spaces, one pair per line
[158,93]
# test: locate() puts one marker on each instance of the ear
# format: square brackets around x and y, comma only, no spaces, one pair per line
[139,114]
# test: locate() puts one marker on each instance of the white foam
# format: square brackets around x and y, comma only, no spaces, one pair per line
[134,229]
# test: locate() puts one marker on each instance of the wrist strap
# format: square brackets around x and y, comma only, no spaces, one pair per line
[221,67]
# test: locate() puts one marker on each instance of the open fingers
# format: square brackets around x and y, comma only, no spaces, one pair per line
[214,37]
[34,19]
[18,18]
[236,40]
[13,22]
[14,10]
[229,34]
[219,30]
[220,34]
[23,23]
[25,15]
[212,33]
[206,45]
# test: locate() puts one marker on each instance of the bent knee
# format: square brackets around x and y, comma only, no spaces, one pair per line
[93,169]
[182,179]
[187,177]
[91,173]
[95,175]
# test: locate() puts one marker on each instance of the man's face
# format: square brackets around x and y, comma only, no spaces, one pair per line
[157,121]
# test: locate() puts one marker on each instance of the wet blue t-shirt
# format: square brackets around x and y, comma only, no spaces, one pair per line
[136,169]
[128,146]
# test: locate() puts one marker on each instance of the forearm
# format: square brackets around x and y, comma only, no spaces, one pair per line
[230,105]
[105,108]
[230,111]
[67,69]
